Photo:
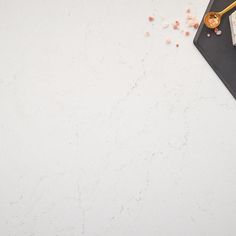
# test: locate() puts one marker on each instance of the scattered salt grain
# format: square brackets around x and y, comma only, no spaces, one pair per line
[189,17]
[218,32]
[176,25]
[191,20]
[213,22]
[151,18]
[168,41]
[208,35]
[187,33]
[165,26]
[196,25]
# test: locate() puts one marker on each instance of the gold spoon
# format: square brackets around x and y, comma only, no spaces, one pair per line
[213,19]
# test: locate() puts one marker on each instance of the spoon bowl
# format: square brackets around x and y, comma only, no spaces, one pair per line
[212,19]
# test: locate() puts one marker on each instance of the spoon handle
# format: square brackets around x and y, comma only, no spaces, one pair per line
[230,7]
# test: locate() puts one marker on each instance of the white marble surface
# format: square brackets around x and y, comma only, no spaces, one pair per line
[104,132]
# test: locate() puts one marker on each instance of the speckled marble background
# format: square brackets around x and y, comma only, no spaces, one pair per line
[105,132]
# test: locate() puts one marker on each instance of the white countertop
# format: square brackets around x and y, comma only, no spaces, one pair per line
[106,132]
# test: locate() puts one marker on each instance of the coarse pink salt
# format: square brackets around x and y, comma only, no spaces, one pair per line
[168,41]
[176,25]
[188,10]
[187,33]
[165,26]
[147,34]
[217,32]
[192,21]
[189,17]
[151,18]
[196,25]
[213,22]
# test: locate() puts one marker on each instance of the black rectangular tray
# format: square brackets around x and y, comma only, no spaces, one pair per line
[219,51]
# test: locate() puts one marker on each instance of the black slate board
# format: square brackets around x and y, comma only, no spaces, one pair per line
[219,51]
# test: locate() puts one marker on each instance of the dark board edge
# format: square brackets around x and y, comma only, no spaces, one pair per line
[204,55]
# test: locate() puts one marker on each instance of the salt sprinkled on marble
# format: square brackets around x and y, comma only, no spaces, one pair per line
[168,41]
[151,18]
[186,33]
[165,25]
[191,21]
[176,25]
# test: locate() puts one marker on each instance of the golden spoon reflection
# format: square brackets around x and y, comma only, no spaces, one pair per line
[213,19]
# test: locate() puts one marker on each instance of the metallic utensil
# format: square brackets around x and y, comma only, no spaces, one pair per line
[213,19]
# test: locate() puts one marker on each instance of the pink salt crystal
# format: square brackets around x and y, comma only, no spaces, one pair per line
[189,17]
[168,41]
[176,25]
[147,34]
[218,32]
[188,10]
[196,25]
[192,21]
[151,18]
[213,22]
[165,26]
[187,33]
